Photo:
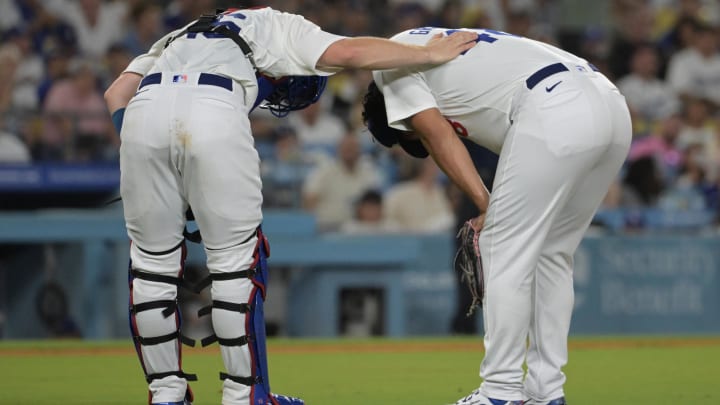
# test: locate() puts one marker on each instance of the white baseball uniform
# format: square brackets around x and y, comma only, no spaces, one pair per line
[562,131]
[186,140]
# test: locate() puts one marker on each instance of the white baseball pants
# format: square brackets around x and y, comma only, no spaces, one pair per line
[185,143]
[564,149]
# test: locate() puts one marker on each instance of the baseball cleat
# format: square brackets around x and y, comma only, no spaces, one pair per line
[286,400]
[476,398]
[556,401]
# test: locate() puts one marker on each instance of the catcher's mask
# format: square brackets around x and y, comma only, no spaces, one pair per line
[375,118]
[293,93]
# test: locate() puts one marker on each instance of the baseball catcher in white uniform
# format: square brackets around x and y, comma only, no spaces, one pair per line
[562,131]
[182,112]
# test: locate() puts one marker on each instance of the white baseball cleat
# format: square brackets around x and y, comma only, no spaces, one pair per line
[476,398]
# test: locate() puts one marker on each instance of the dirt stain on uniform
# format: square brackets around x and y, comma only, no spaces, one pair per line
[184,137]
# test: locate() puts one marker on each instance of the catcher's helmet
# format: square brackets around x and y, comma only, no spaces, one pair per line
[375,118]
[293,93]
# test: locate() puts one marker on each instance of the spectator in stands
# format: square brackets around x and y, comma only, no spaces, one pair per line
[75,112]
[317,127]
[28,72]
[449,15]
[10,15]
[146,28]
[661,145]
[520,23]
[180,12]
[642,184]
[409,15]
[97,24]
[283,168]
[330,189]
[48,32]
[648,97]
[369,217]
[12,148]
[634,29]
[680,36]
[687,192]
[485,13]
[700,129]
[420,204]
[116,60]
[695,71]
[57,67]
[10,59]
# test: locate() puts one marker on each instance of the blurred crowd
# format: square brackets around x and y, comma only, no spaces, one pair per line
[58,56]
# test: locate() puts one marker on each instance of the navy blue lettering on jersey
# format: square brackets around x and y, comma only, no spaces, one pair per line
[421,31]
[229,24]
[484,35]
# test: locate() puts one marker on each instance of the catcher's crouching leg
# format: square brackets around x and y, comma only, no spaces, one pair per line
[155,322]
[239,278]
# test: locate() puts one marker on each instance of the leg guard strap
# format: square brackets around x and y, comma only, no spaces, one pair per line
[149,341]
[169,305]
[159,278]
[250,273]
[159,376]
[164,252]
[228,306]
[249,381]
[239,341]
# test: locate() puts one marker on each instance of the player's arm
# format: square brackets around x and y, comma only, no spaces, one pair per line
[380,53]
[122,90]
[118,95]
[438,137]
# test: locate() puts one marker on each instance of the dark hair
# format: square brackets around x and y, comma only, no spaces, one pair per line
[642,176]
[375,118]
[370,196]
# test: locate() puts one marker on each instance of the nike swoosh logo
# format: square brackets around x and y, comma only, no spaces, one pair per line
[551,88]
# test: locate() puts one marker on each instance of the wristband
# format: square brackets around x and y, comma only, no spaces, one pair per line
[117,119]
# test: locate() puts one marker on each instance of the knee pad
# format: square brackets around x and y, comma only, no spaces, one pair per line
[241,292]
[155,320]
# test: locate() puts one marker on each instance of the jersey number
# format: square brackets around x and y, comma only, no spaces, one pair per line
[484,35]
[231,25]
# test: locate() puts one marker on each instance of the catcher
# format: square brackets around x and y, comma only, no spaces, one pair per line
[182,113]
[562,131]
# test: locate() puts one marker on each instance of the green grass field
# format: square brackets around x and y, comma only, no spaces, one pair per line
[603,371]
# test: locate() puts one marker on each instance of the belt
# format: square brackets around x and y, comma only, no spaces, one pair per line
[548,71]
[204,78]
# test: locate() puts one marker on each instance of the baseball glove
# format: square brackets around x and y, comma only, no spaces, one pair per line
[469,264]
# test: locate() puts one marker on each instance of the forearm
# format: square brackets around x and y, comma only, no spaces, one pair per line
[121,91]
[380,53]
[373,53]
[453,158]
[450,154]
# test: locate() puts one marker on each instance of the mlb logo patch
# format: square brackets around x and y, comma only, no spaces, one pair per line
[180,79]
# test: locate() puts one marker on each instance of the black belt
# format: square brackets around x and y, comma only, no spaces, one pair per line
[205,78]
[548,71]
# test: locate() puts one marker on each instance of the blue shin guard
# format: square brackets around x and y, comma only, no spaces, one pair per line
[261,391]
[254,327]
[258,349]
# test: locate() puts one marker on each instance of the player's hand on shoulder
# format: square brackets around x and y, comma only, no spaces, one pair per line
[442,48]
